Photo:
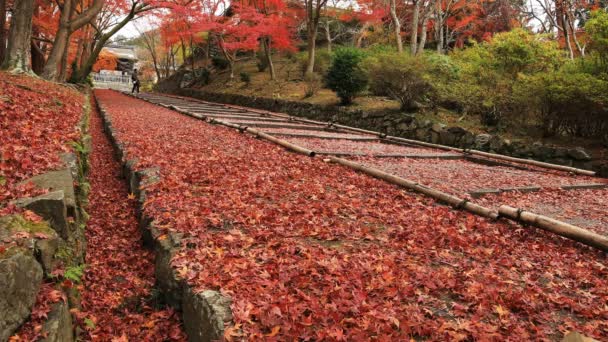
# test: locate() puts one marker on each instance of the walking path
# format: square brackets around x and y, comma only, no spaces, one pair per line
[118,299]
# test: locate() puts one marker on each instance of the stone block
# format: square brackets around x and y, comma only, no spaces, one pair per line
[20,278]
[58,326]
[579,153]
[205,315]
[51,207]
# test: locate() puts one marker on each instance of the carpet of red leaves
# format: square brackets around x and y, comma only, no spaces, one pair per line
[461,176]
[310,250]
[325,134]
[37,121]
[118,301]
[367,147]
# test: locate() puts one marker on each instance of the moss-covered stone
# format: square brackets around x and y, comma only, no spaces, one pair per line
[45,242]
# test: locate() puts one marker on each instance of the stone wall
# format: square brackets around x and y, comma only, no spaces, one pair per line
[408,126]
[37,249]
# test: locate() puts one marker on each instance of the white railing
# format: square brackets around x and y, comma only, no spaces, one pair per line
[112,81]
[109,78]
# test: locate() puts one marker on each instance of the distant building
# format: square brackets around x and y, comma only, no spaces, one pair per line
[120,77]
[127,58]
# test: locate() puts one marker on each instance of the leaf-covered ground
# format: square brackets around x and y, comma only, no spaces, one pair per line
[118,300]
[367,147]
[461,176]
[310,250]
[325,134]
[38,119]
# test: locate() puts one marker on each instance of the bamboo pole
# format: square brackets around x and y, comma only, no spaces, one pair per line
[422,143]
[532,162]
[454,201]
[558,227]
[282,142]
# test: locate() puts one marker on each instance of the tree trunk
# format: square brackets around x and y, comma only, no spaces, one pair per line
[37,58]
[562,27]
[312,26]
[2,30]
[192,52]
[423,34]
[328,36]
[361,35]
[397,25]
[414,27]
[208,52]
[183,46]
[64,62]
[62,37]
[268,51]
[228,57]
[92,56]
[439,26]
[17,57]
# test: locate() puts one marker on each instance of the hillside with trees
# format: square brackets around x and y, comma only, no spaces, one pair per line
[531,71]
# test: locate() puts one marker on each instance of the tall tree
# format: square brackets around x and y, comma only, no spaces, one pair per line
[68,23]
[396,25]
[313,10]
[19,37]
[2,29]
[103,35]
[273,22]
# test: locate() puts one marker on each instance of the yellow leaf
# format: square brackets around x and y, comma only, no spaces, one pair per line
[131,196]
[501,311]
[274,331]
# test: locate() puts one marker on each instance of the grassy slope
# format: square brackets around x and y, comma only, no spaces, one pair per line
[289,86]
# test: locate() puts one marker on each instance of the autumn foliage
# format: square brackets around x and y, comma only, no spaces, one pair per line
[106,61]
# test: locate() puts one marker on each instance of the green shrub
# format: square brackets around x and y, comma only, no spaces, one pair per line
[566,102]
[487,72]
[220,63]
[402,77]
[345,75]
[245,77]
[597,29]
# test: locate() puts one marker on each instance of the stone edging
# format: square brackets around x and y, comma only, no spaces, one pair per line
[205,314]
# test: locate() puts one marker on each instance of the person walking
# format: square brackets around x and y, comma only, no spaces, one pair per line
[135,79]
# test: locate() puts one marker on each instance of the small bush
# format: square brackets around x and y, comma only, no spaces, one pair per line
[559,98]
[220,63]
[402,77]
[345,75]
[486,74]
[245,77]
